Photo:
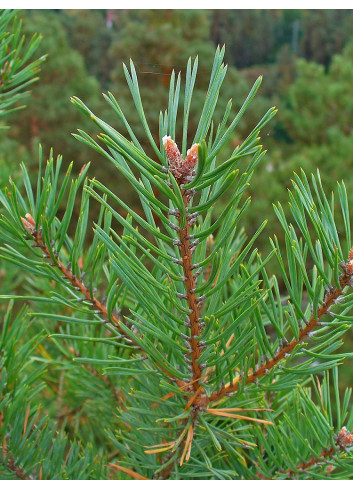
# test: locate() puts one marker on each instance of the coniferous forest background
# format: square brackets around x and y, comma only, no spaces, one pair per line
[305,57]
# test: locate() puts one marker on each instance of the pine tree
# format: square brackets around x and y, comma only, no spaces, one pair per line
[213,370]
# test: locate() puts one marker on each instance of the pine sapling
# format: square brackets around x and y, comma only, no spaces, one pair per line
[216,370]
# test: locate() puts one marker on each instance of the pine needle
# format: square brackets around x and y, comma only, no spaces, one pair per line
[26,420]
[130,472]
[187,448]
[225,414]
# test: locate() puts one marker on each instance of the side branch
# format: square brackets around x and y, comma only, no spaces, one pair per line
[11,464]
[78,285]
[312,462]
[344,439]
[331,298]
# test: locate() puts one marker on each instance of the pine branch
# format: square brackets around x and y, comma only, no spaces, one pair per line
[236,309]
[77,284]
[182,170]
[344,439]
[331,298]
[11,464]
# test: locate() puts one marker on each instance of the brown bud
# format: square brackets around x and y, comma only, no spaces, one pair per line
[180,168]
[172,152]
[349,265]
[80,262]
[192,157]
[30,219]
[210,242]
[28,223]
[344,438]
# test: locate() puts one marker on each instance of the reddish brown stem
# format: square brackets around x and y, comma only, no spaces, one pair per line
[11,464]
[302,466]
[194,313]
[78,285]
